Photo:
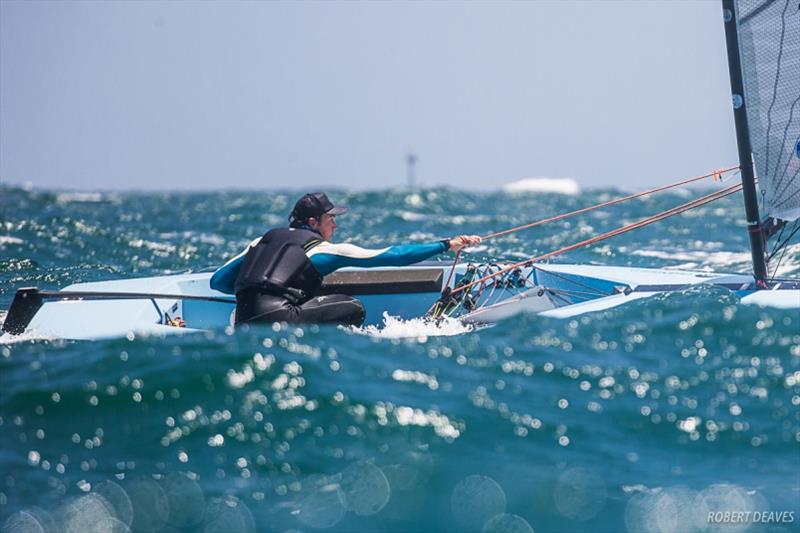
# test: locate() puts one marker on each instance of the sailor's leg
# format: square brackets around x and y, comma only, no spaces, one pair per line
[332,309]
[263,308]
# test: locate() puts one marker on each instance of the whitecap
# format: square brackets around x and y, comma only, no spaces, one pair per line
[7,239]
[79,197]
[411,216]
[414,200]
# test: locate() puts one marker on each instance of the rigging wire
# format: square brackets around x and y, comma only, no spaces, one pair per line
[618,231]
[780,242]
[452,269]
[777,243]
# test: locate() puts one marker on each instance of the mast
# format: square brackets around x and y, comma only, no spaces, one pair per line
[754,228]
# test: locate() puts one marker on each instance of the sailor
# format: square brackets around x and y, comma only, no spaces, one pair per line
[276,279]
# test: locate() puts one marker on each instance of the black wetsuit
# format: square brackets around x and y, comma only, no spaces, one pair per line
[278,283]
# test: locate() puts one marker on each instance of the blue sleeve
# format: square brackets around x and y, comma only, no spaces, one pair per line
[328,257]
[224,278]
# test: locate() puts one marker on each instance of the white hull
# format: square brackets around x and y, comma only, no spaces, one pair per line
[554,290]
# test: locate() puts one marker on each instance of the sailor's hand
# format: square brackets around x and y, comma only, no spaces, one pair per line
[463,241]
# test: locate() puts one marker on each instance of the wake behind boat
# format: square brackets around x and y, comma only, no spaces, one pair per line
[763,53]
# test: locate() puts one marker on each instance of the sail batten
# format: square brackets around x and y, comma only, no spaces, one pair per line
[769,41]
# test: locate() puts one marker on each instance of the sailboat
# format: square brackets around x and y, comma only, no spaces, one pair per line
[763,45]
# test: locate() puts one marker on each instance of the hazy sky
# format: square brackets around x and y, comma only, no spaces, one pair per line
[180,95]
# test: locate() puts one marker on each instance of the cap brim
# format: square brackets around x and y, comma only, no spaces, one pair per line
[337,211]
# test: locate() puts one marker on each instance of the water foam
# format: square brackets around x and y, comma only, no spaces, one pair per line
[27,336]
[416,328]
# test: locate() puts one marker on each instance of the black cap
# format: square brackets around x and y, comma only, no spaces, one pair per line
[315,205]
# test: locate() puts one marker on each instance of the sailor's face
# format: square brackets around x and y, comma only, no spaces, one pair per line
[327,226]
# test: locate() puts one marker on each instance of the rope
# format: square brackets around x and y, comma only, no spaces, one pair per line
[716,175]
[452,269]
[618,231]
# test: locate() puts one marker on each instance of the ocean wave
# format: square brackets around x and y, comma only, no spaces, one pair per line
[535,423]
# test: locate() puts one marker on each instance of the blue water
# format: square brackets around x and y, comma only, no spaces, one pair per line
[646,417]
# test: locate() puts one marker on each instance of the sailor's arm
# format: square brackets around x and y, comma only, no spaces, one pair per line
[328,257]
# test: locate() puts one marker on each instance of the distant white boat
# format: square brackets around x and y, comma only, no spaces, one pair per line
[543,184]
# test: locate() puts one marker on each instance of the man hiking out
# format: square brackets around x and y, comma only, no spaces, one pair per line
[276,279]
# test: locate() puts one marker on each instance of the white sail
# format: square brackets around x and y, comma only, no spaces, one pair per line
[769,38]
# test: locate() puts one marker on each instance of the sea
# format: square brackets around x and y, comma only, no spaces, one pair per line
[679,412]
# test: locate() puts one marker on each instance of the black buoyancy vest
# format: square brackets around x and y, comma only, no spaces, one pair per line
[278,264]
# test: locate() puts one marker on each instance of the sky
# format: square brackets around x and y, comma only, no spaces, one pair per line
[208,95]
